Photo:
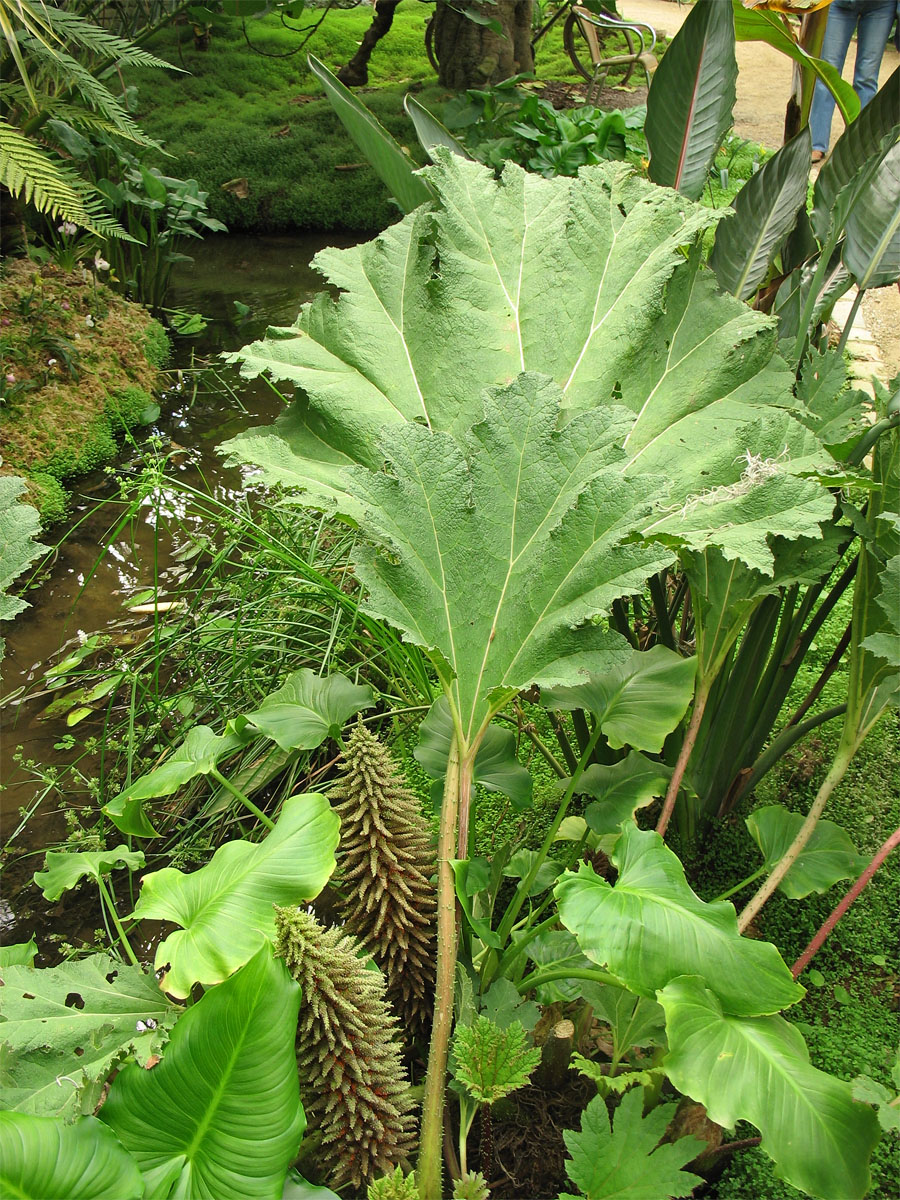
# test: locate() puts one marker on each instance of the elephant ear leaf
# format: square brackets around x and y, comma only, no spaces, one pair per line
[220,1115]
[622,1159]
[307,709]
[691,99]
[651,928]
[43,1156]
[828,856]
[225,908]
[63,870]
[757,1069]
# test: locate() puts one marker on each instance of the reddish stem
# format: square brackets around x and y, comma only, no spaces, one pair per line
[816,944]
[681,765]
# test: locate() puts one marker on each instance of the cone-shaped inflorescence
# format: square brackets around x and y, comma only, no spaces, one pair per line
[352,1082]
[386,864]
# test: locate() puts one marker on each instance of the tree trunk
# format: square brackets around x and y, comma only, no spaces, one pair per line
[472,55]
[356,72]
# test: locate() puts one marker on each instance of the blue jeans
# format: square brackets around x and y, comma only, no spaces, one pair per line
[874,19]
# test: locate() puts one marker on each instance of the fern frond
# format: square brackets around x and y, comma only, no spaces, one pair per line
[13,99]
[98,97]
[34,20]
[78,32]
[30,172]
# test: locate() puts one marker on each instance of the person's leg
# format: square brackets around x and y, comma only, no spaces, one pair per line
[875,20]
[838,32]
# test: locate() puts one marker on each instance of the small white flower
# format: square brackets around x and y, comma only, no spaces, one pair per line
[68,228]
[89,321]
[100,263]
[51,362]
[10,378]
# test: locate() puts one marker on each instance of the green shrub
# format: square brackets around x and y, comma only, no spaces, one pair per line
[156,345]
[49,496]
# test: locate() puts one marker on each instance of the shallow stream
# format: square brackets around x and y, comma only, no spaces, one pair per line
[83,590]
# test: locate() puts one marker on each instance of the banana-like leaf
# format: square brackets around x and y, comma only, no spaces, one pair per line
[758,1070]
[872,233]
[691,99]
[650,928]
[429,129]
[494,551]
[496,767]
[757,25]
[623,322]
[307,709]
[765,210]
[226,908]
[64,870]
[856,154]
[638,702]
[388,158]
[42,1158]
[67,1026]
[219,1118]
[828,856]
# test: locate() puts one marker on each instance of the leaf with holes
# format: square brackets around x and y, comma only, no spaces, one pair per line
[64,870]
[42,1158]
[650,927]
[226,908]
[828,856]
[66,1027]
[622,1159]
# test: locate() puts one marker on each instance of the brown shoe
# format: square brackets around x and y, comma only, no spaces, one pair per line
[817,156]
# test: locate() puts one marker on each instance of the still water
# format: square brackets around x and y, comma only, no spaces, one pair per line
[83,590]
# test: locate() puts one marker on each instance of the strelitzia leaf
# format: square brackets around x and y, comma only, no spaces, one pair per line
[691,99]
[43,1157]
[189,1122]
[638,702]
[621,1159]
[226,908]
[872,233]
[758,1070]
[828,856]
[650,928]
[64,870]
[68,1025]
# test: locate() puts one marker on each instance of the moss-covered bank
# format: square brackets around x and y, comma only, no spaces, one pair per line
[80,365]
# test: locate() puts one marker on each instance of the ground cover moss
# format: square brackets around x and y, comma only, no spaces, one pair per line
[80,367]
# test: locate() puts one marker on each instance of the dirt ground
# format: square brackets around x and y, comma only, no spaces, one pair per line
[763,88]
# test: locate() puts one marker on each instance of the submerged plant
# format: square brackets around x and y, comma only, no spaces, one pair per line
[351,1076]
[387,861]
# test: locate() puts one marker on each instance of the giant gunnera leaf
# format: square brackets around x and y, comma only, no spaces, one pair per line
[585,281]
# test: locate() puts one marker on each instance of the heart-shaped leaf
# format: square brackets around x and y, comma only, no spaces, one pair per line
[758,1070]
[651,927]
[220,1115]
[66,1027]
[496,767]
[638,702]
[64,870]
[225,908]
[828,856]
[307,709]
[43,1158]
[21,954]
[621,789]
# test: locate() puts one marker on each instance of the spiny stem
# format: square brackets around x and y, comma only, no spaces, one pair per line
[685,753]
[428,1171]
[239,795]
[828,925]
[804,833]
